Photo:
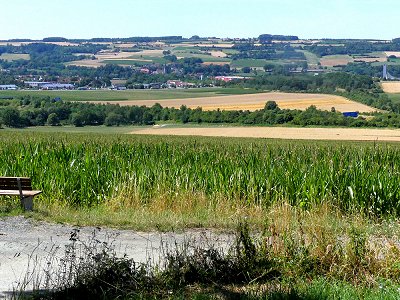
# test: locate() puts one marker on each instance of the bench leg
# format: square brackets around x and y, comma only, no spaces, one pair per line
[27,203]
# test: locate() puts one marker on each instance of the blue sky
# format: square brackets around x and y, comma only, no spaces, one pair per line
[377,19]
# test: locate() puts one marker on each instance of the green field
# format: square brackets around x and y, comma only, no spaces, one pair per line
[204,57]
[12,56]
[394,97]
[108,95]
[185,49]
[230,51]
[352,176]
[312,59]
[390,62]
[327,212]
[252,63]
[138,60]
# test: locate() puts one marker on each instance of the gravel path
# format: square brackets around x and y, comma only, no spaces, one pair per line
[27,244]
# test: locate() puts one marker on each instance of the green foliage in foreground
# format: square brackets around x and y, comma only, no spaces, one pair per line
[85,170]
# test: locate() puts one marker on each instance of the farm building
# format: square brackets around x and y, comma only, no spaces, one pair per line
[179,84]
[8,87]
[118,87]
[229,78]
[35,84]
[49,85]
[57,86]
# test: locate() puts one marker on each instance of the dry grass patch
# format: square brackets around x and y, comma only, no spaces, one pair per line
[336,60]
[183,212]
[218,54]
[339,134]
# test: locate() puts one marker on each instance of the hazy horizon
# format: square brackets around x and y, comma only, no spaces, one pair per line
[308,19]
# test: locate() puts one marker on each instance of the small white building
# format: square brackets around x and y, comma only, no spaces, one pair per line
[8,87]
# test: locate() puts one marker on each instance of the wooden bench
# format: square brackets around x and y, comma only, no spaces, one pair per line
[19,186]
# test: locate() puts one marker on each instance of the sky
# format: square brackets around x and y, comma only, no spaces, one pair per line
[372,19]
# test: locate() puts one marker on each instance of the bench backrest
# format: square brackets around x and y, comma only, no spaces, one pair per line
[11,183]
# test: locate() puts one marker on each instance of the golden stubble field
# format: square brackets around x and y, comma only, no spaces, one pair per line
[391,87]
[338,134]
[254,102]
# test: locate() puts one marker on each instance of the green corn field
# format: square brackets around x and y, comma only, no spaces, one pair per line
[86,170]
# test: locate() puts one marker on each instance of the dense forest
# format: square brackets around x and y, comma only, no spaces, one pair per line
[353,47]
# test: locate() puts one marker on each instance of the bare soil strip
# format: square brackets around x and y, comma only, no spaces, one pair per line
[257,101]
[339,134]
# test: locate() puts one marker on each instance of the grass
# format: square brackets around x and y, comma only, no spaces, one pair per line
[324,215]
[108,95]
[297,254]
[390,62]
[230,51]
[175,173]
[312,59]
[14,56]
[185,49]
[77,130]
[139,60]
[252,63]
[204,57]
[258,63]
[394,97]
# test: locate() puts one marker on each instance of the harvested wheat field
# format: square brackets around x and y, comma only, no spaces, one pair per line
[336,60]
[342,134]
[392,53]
[254,102]
[371,59]
[218,54]
[391,87]
[90,63]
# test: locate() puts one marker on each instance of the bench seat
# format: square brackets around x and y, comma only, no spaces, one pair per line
[21,187]
[16,193]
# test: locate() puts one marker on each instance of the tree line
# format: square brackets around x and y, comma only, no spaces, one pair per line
[36,111]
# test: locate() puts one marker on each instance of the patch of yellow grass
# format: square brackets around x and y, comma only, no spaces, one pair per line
[391,87]
[257,101]
[218,54]
[340,134]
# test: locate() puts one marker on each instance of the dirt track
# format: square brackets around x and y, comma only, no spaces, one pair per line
[343,134]
[27,244]
[257,101]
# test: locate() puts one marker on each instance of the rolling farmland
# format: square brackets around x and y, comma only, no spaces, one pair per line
[257,101]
